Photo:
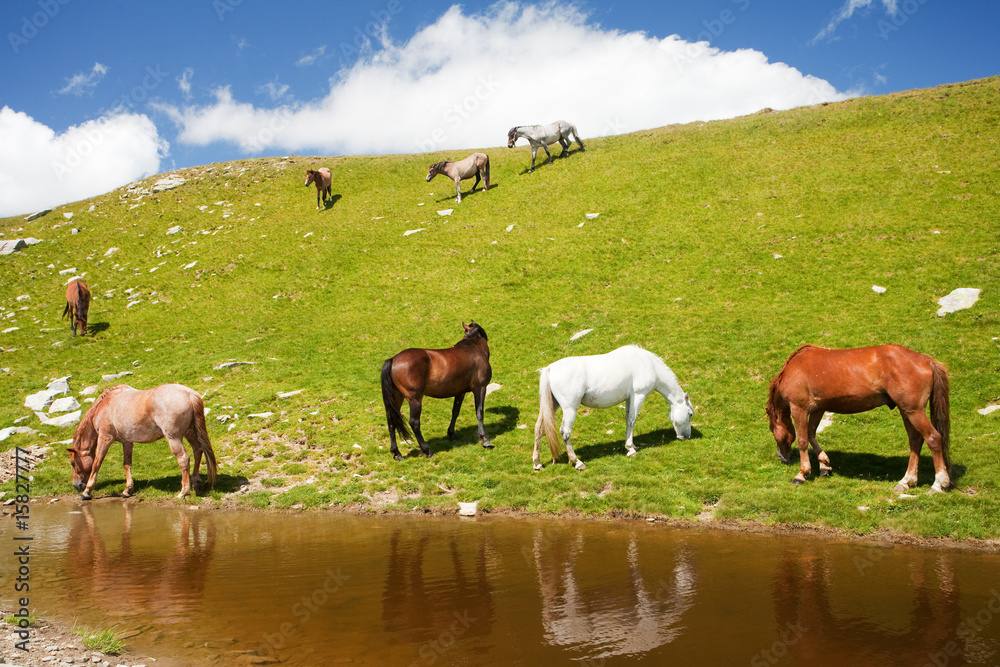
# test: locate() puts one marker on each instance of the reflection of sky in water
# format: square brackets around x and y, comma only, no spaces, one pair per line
[206,586]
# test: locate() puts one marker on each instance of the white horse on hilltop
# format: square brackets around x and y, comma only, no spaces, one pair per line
[542,136]
[628,374]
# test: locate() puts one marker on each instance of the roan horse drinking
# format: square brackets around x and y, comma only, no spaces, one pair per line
[817,379]
[542,136]
[321,178]
[628,374]
[126,415]
[77,306]
[477,164]
[415,373]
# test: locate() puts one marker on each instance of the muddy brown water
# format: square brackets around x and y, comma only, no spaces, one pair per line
[204,587]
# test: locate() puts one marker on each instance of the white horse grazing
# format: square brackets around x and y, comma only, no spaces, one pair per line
[475,165]
[541,136]
[627,374]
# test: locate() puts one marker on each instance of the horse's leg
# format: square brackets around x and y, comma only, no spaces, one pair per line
[103,445]
[918,418]
[536,459]
[545,146]
[569,416]
[183,462]
[454,415]
[801,419]
[127,462]
[825,469]
[632,407]
[916,443]
[479,396]
[564,142]
[397,400]
[415,406]
[477,181]
[192,438]
[534,150]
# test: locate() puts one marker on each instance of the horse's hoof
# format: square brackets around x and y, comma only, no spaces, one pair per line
[798,482]
[900,488]
[539,466]
[934,490]
[826,473]
[85,496]
[632,452]
[397,457]
[127,493]
[487,445]
[428,454]
[579,465]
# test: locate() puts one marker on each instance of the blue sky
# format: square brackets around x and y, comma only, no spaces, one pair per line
[97,94]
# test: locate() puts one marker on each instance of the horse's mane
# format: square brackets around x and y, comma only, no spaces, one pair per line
[773,390]
[86,431]
[440,165]
[476,330]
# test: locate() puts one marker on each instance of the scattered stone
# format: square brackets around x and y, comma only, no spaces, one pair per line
[42,400]
[59,384]
[288,394]
[36,216]
[9,246]
[591,216]
[191,265]
[110,252]
[64,420]
[65,404]
[510,227]
[260,415]
[447,211]
[23,297]
[11,430]
[10,329]
[777,256]
[115,376]
[230,364]
[413,231]
[988,409]
[65,271]
[959,299]
[174,230]
[878,290]
[492,387]
[580,334]
[89,391]
[68,216]
[468,509]
[825,422]
[168,183]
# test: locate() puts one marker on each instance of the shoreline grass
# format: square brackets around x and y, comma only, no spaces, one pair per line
[721,247]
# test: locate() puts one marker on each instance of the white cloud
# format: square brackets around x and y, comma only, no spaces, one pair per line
[275,89]
[40,169]
[80,83]
[464,80]
[847,11]
[311,58]
[184,82]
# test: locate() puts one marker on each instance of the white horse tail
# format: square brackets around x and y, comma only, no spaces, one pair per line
[546,414]
[576,136]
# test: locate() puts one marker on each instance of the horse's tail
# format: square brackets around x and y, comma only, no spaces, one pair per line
[204,444]
[576,136]
[65,310]
[486,172]
[392,414]
[546,414]
[941,409]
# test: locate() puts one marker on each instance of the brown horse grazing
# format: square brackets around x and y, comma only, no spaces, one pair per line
[817,379]
[415,373]
[475,165]
[126,415]
[77,306]
[321,178]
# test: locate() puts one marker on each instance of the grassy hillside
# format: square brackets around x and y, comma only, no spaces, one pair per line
[721,246]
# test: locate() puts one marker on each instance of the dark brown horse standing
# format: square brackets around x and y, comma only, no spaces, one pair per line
[77,306]
[415,373]
[818,379]
[322,179]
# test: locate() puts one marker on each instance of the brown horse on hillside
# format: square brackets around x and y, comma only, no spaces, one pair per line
[415,373]
[77,306]
[477,164]
[126,415]
[322,179]
[818,379]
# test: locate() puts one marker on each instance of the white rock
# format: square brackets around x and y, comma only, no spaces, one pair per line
[260,415]
[168,183]
[826,421]
[65,271]
[580,334]
[59,384]
[64,420]
[492,387]
[413,231]
[288,394]
[110,252]
[40,401]
[591,216]
[115,376]
[64,404]
[23,297]
[510,227]
[10,430]
[230,364]
[36,216]
[878,290]
[988,409]
[68,216]
[173,230]
[89,391]
[447,211]
[959,299]
[468,509]
[191,265]
[10,329]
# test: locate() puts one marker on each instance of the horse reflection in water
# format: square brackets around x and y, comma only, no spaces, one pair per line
[609,619]
[822,621]
[139,580]
[432,597]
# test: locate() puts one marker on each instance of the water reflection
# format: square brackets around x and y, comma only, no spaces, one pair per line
[138,576]
[598,613]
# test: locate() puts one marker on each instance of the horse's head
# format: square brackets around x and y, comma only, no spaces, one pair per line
[311,175]
[511,137]
[81,316]
[680,416]
[435,169]
[782,428]
[82,463]
[473,330]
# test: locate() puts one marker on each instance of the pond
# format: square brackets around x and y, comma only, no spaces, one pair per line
[211,587]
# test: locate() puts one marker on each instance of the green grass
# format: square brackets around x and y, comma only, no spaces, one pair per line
[899,191]
[109,641]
